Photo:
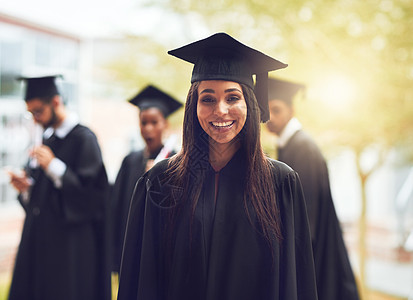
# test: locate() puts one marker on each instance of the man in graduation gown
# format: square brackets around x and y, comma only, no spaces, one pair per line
[155,106]
[63,249]
[335,279]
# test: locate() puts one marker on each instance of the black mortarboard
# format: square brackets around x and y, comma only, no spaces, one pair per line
[40,87]
[283,90]
[221,57]
[151,96]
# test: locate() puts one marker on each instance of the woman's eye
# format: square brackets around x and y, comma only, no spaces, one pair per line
[207,99]
[233,98]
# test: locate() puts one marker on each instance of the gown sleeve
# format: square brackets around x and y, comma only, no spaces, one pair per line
[116,213]
[297,265]
[84,184]
[132,248]
[121,195]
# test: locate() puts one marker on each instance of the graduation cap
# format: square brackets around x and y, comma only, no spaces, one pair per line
[221,57]
[40,87]
[283,90]
[151,96]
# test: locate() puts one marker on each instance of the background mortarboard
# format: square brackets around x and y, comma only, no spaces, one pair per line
[40,87]
[151,96]
[221,57]
[283,90]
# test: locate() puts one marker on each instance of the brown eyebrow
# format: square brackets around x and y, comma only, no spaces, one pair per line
[232,90]
[211,91]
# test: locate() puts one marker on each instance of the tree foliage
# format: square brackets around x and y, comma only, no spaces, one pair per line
[366,42]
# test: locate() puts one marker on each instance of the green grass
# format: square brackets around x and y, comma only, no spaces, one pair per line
[4,287]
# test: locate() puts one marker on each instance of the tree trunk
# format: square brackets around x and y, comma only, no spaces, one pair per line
[362,244]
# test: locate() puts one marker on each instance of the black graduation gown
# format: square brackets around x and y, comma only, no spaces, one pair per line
[63,249]
[220,255]
[335,278]
[132,168]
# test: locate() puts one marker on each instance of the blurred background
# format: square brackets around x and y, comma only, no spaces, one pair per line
[355,58]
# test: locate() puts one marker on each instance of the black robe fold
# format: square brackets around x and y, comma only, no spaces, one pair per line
[63,253]
[220,254]
[335,278]
[132,168]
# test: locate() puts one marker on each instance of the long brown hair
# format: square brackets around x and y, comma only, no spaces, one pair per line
[186,169]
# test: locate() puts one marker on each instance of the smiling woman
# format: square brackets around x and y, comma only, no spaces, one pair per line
[219,220]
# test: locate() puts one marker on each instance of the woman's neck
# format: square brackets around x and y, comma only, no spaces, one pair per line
[221,154]
[153,152]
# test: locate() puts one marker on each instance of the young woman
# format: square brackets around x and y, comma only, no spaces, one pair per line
[219,220]
[155,106]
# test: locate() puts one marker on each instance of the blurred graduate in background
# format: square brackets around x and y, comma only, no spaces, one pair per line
[335,279]
[155,106]
[63,253]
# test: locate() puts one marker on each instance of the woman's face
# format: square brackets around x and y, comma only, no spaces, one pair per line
[152,124]
[221,109]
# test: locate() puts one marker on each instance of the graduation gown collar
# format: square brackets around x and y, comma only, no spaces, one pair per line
[234,164]
[290,129]
[63,130]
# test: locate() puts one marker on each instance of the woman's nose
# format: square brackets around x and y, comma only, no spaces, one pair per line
[221,108]
[147,128]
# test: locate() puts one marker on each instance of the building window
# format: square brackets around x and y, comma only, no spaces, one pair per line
[10,68]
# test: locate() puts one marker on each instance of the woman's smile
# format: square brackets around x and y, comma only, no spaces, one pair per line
[222,125]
